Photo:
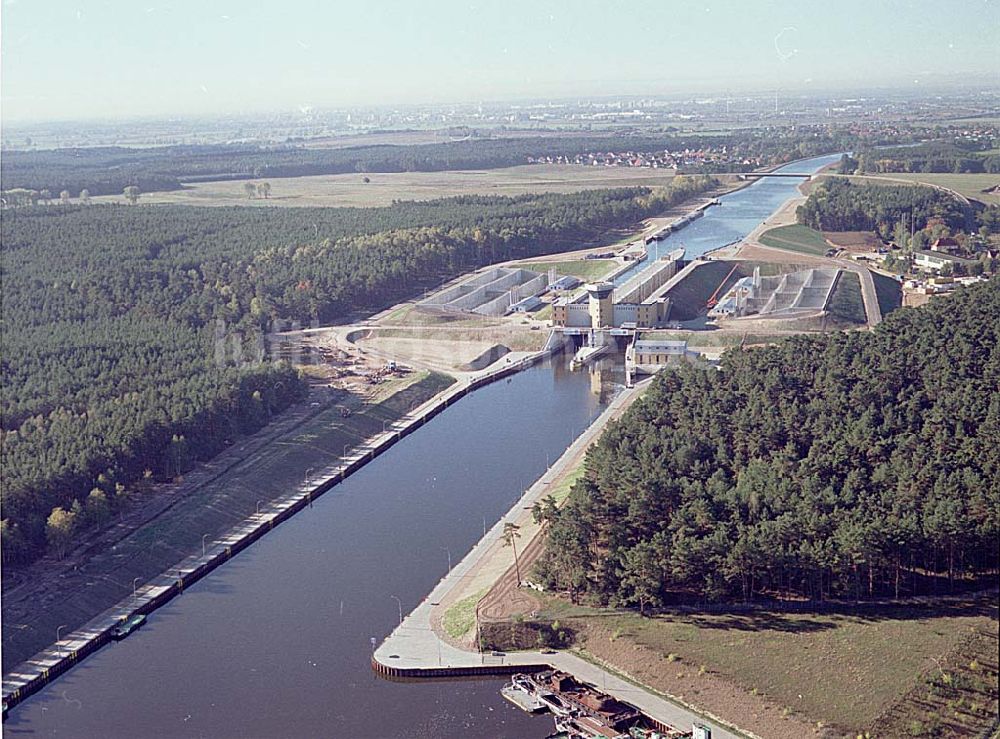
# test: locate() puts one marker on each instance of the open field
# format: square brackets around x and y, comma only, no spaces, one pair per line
[969,185]
[432,135]
[585,269]
[796,238]
[845,669]
[351,190]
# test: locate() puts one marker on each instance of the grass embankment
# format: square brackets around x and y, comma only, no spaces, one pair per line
[544,313]
[716,339]
[852,670]
[415,315]
[561,489]
[796,238]
[888,292]
[957,696]
[846,302]
[223,493]
[514,336]
[585,269]
[853,240]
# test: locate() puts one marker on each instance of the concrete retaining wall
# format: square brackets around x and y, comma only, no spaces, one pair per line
[465,287]
[498,306]
[423,673]
[488,291]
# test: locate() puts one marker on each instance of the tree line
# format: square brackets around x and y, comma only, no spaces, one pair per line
[931,156]
[855,465]
[111,370]
[842,205]
[108,170]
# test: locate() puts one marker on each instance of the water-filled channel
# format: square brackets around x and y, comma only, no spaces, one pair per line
[276,643]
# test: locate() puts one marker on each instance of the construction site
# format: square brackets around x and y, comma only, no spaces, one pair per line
[645,298]
[647,310]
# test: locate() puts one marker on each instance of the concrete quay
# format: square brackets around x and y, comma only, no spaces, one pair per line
[414,650]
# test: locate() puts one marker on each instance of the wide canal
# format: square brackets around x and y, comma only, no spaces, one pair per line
[277,642]
[738,214]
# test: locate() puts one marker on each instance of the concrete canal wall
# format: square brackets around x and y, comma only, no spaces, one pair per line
[34,673]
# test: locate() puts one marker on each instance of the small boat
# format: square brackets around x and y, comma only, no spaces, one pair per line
[637,732]
[127,625]
[588,727]
[554,703]
[564,730]
[522,698]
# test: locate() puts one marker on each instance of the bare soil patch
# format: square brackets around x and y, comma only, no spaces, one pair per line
[706,690]
[853,241]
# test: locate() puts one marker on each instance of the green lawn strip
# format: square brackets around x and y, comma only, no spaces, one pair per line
[543,314]
[796,238]
[562,488]
[398,315]
[585,269]
[461,617]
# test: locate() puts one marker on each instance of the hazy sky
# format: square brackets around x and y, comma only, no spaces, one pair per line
[108,58]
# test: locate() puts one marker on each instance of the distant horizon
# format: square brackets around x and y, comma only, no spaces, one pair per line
[955,85]
[68,62]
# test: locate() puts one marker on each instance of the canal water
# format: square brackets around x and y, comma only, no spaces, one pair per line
[738,214]
[277,642]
